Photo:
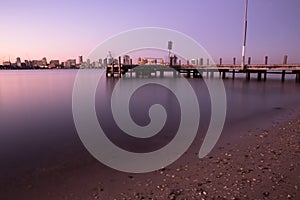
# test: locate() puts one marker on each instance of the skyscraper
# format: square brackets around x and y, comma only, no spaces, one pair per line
[18,62]
[70,63]
[80,59]
[126,59]
[44,62]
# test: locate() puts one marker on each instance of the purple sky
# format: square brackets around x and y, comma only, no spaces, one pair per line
[65,29]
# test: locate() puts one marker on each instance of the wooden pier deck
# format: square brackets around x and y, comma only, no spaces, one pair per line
[192,71]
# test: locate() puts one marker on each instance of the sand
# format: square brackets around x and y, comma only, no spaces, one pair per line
[260,164]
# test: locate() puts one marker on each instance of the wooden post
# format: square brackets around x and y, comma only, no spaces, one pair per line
[283,76]
[224,74]
[266,60]
[283,71]
[234,60]
[194,73]
[285,60]
[265,75]
[249,60]
[265,71]
[298,76]
[259,75]
[120,60]
[248,75]
[120,66]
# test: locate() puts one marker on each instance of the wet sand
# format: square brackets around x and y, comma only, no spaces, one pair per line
[259,164]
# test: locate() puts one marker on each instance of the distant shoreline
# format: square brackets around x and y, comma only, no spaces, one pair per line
[39,68]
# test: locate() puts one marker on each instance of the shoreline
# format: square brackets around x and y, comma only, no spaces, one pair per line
[261,164]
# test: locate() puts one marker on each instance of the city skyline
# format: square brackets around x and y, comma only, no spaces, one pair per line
[65,29]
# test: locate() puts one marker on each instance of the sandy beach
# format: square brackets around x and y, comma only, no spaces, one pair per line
[261,164]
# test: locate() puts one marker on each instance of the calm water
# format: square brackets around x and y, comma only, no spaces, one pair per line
[37,128]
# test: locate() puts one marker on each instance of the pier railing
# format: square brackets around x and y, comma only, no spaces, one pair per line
[197,71]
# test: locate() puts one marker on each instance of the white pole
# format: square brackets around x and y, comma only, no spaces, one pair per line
[245,34]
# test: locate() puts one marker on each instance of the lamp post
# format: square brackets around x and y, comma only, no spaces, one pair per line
[245,35]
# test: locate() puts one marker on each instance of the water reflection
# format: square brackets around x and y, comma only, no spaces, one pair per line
[37,128]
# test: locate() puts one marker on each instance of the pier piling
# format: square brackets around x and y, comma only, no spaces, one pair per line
[297,76]
[233,71]
[283,71]
[119,66]
[259,76]
[283,76]
[248,75]
[224,74]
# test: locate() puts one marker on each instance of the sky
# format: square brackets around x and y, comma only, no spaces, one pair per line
[63,29]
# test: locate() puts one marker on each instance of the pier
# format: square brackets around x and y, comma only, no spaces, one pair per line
[260,71]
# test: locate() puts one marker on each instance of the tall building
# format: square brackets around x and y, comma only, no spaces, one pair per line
[44,62]
[110,61]
[6,63]
[53,64]
[100,62]
[105,62]
[88,63]
[28,64]
[126,60]
[71,63]
[35,63]
[18,62]
[80,59]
